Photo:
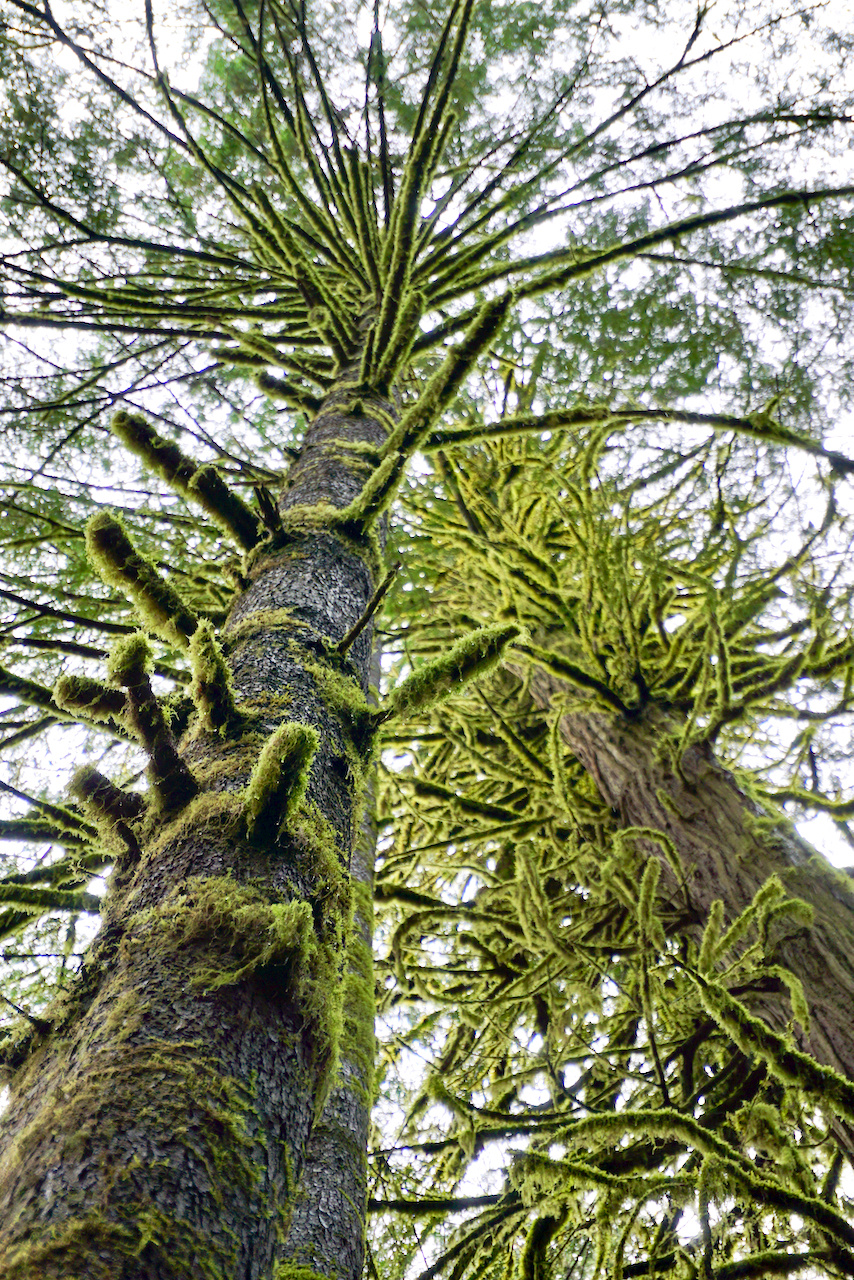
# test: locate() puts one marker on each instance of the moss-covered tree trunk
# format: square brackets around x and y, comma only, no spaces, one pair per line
[159,1119]
[728,849]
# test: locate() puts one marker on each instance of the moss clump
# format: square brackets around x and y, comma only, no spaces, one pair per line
[233,763]
[260,620]
[784,1061]
[230,932]
[116,561]
[343,696]
[305,520]
[358,1042]
[130,661]
[240,931]
[317,834]
[86,1248]
[279,780]
[205,815]
[212,689]
[111,807]
[296,1271]
[173,785]
[94,700]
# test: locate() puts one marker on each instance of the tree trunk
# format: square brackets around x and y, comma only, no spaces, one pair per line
[159,1119]
[327,1231]
[727,853]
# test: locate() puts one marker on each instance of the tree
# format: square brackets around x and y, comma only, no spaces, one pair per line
[356,241]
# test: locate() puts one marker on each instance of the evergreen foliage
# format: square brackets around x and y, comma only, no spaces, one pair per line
[559,325]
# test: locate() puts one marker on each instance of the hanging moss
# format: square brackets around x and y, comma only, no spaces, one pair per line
[210,815]
[791,1065]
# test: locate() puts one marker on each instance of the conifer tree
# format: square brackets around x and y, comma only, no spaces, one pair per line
[237,311]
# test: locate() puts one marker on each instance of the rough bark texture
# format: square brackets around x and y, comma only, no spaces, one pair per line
[727,854]
[327,1231]
[158,1129]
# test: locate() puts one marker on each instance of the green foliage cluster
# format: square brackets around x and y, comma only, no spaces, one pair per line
[651,1120]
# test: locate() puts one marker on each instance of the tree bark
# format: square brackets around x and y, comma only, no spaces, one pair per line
[327,1231]
[158,1124]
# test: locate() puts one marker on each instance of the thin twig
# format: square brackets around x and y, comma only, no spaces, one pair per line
[370,609]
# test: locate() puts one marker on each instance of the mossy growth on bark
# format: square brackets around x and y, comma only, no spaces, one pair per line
[792,1066]
[172,782]
[114,809]
[304,520]
[209,815]
[152,1082]
[227,933]
[279,780]
[85,1248]
[231,928]
[95,700]
[297,1271]
[358,1041]
[197,482]
[211,690]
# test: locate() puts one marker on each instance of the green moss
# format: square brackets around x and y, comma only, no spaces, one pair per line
[240,930]
[358,1040]
[473,655]
[203,484]
[318,836]
[83,1248]
[205,815]
[279,780]
[130,661]
[212,689]
[119,564]
[111,807]
[305,520]
[234,760]
[788,1064]
[153,1081]
[296,1271]
[342,695]
[229,932]
[83,694]
[259,621]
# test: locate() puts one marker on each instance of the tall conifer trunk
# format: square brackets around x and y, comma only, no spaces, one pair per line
[160,1116]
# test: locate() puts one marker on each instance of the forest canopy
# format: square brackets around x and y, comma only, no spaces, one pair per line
[426,567]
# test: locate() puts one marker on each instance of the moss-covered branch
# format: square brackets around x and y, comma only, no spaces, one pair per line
[279,780]
[120,565]
[196,482]
[173,783]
